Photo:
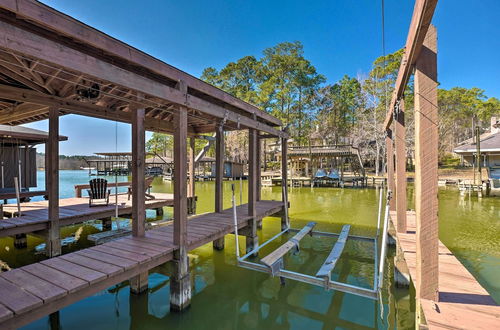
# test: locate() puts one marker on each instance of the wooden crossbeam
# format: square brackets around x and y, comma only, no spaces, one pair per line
[420,21]
[46,19]
[77,107]
[272,260]
[326,269]
[15,39]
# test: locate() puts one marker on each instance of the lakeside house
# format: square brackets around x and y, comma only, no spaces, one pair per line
[489,147]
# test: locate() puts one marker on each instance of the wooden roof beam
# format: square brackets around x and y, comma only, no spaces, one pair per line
[16,39]
[76,107]
[81,34]
[420,21]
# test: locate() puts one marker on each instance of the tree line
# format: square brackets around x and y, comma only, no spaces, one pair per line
[285,84]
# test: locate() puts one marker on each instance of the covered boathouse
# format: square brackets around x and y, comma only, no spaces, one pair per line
[52,65]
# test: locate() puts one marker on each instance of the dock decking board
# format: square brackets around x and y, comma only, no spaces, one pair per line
[39,289]
[463,302]
[72,210]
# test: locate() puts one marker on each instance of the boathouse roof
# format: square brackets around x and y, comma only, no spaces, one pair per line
[23,135]
[49,59]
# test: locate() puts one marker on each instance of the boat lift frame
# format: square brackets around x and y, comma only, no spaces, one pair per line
[371,293]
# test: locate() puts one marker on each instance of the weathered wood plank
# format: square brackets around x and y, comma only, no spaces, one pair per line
[326,269]
[53,239]
[108,258]
[75,270]
[49,274]
[120,252]
[34,285]
[5,313]
[102,267]
[219,168]
[400,146]
[138,168]
[277,254]
[389,150]
[426,168]
[133,248]
[16,299]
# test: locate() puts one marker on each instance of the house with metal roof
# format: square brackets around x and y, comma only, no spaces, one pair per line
[489,147]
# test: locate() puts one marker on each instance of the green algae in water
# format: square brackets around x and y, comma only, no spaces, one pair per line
[229,297]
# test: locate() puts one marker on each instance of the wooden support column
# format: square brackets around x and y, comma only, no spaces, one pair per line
[219,168]
[252,241]
[285,223]
[426,168]
[192,176]
[218,244]
[138,172]
[259,164]
[180,281]
[400,142]
[52,180]
[139,283]
[390,165]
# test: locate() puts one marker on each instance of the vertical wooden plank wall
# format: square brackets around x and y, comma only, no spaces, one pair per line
[400,142]
[390,165]
[180,284]
[426,166]
[52,181]
[219,168]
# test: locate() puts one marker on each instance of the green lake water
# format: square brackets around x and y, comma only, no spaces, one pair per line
[228,297]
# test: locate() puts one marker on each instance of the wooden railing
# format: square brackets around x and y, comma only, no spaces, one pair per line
[80,187]
[23,194]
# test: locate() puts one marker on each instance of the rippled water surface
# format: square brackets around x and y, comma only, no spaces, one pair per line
[229,297]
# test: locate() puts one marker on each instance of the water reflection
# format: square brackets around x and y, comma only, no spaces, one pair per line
[228,297]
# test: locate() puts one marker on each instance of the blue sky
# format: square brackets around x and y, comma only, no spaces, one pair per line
[339,36]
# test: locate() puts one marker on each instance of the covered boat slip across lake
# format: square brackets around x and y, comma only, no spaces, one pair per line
[261,302]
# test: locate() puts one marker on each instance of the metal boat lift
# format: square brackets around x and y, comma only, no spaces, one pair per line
[273,263]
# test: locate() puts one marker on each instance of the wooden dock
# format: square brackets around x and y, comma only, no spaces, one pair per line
[463,302]
[34,215]
[36,290]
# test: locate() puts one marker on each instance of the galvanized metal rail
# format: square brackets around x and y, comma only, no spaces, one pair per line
[326,269]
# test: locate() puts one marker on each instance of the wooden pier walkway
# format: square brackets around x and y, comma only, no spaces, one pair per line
[463,302]
[36,290]
[34,215]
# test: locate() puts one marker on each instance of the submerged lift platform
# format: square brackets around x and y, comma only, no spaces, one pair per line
[273,263]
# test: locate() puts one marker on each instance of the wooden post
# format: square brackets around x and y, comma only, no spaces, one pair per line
[258,161]
[180,282]
[138,170]
[139,283]
[219,168]
[390,165]
[191,190]
[400,142]
[284,187]
[52,154]
[258,173]
[252,241]
[426,167]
